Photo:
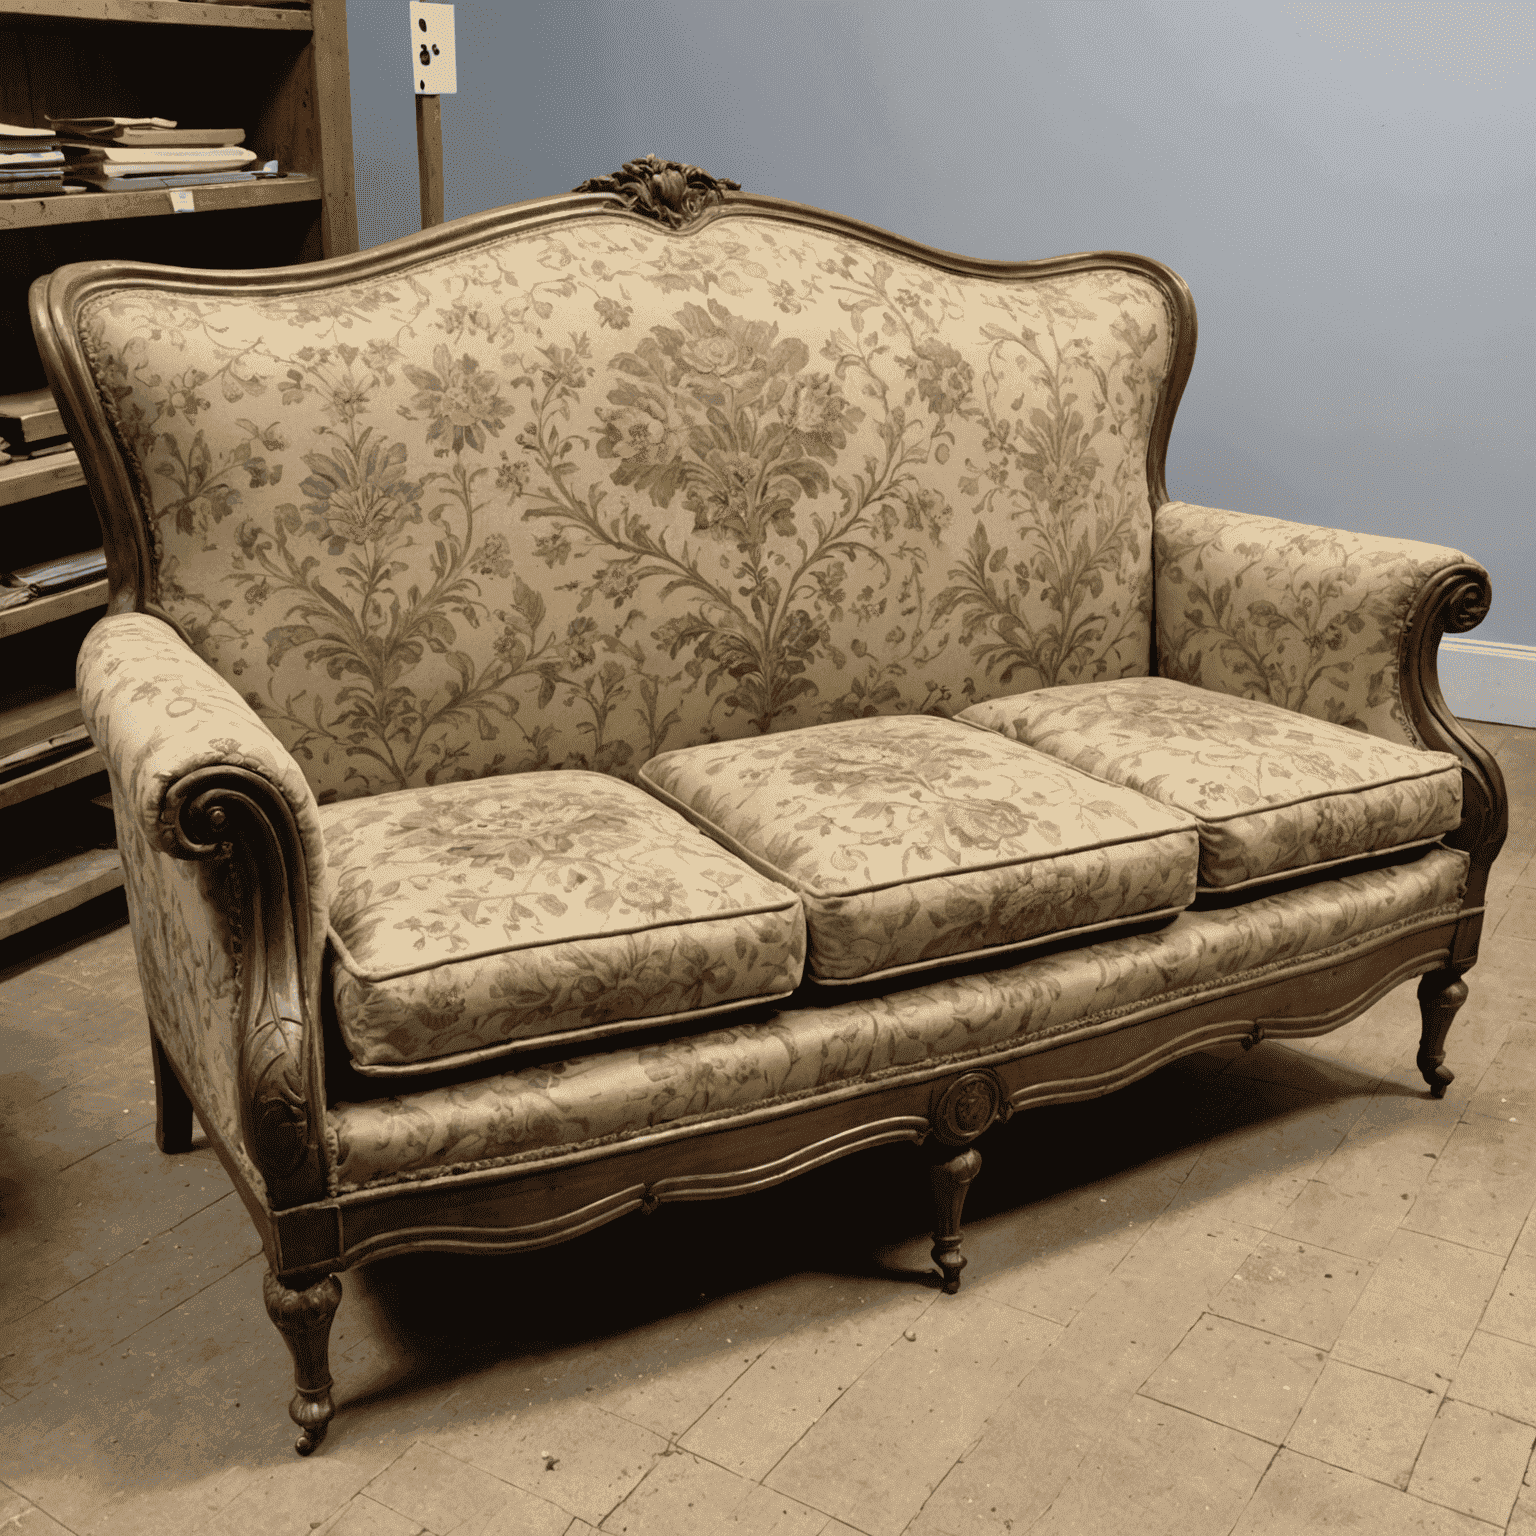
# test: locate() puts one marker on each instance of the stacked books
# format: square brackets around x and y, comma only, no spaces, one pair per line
[41,753]
[50,576]
[145,132]
[31,162]
[30,426]
[60,573]
[128,154]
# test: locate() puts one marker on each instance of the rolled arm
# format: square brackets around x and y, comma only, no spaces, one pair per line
[224,866]
[1340,626]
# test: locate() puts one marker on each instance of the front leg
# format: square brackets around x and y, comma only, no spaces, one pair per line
[304,1320]
[1441,993]
[950,1174]
[960,1112]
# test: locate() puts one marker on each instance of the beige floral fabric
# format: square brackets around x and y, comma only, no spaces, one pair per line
[915,841]
[1275,792]
[586,492]
[1311,619]
[470,919]
[156,712]
[804,1052]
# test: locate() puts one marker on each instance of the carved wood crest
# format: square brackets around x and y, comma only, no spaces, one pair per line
[967,1106]
[665,190]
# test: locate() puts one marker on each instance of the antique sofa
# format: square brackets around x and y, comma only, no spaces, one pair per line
[632,696]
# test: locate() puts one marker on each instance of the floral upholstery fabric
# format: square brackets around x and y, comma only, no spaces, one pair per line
[156,713]
[588,491]
[916,841]
[803,1052]
[469,919]
[1311,619]
[1275,793]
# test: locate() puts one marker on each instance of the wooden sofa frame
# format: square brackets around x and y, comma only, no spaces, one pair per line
[239,829]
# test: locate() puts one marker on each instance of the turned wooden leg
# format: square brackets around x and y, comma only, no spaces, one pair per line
[304,1320]
[1441,993]
[173,1109]
[950,1174]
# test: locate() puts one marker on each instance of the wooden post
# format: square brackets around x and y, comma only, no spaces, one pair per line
[333,120]
[429,158]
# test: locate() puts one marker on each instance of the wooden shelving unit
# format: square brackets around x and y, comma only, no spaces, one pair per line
[281,74]
[99,207]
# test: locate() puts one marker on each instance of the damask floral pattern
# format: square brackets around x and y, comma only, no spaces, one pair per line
[471,919]
[1275,792]
[582,493]
[1310,619]
[803,1052]
[915,841]
[156,713]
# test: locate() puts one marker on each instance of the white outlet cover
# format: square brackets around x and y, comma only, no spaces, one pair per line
[434,61]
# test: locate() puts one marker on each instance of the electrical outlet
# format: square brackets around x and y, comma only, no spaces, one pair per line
[434,62]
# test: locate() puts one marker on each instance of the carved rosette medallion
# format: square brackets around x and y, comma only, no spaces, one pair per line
[967,1107]
[665,190]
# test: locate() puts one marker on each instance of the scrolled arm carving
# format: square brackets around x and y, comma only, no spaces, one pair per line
[1468,596]
[238,820]
[1454,600]
[665,190]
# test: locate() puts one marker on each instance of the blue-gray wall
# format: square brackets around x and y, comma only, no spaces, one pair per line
[1349,189]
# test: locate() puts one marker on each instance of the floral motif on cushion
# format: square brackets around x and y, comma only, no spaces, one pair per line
[1275,792]
[585,492]
[1310,619]
[469,919]
[915,841]
[801,1053]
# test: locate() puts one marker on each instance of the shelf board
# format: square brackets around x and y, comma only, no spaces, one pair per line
[38,719]
[58,605]
[23,479]
[181,13]
[67,770]
[98,207]
[32,896]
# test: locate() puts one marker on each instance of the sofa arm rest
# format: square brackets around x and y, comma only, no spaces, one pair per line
[224,867]
[1341,626]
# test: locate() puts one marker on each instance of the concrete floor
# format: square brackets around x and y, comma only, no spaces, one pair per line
[1273,1292]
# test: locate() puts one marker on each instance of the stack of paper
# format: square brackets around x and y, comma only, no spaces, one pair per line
[57,575]
[123,167]
[30,424]
[31,162]
[146,132]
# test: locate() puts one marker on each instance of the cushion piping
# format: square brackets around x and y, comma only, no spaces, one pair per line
[967,956]
[773,872]
[557,1037]
[349,963]
[1319,794]
[1297,870]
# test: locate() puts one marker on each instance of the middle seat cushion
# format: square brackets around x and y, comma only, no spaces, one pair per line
[473,919]
[916,842]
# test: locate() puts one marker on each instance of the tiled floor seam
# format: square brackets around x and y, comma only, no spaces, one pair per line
[132,1130]
[148,1322]
[1435,1237]
[842,1392]
[143,1242]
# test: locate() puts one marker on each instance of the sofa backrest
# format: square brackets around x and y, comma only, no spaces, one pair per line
[562,485]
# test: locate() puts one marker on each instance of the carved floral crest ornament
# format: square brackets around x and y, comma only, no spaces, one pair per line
[664,190]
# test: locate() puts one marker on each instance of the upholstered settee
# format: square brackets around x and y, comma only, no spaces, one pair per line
[629,697]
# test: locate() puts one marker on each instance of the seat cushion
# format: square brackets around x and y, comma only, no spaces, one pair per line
[1276,793]
[473,919]
[916,842]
